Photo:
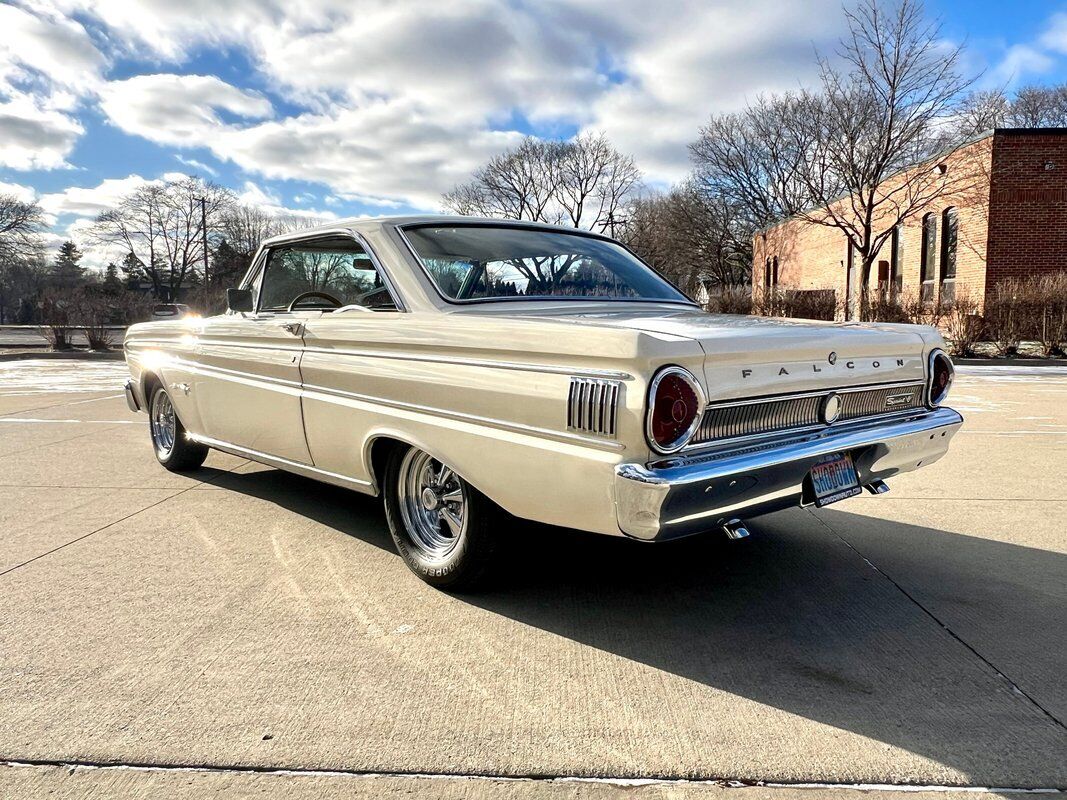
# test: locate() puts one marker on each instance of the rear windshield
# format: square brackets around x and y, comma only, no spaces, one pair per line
[471,262]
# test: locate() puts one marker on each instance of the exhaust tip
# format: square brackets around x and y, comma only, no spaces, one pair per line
[877,487]
[735,529]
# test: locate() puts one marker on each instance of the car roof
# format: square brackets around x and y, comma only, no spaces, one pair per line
[373,224]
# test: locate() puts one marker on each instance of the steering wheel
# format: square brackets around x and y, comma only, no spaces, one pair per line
[321,295]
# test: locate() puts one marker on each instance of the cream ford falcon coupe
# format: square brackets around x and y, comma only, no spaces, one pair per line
[465,368]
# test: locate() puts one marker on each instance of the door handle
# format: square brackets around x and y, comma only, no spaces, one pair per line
[295,328]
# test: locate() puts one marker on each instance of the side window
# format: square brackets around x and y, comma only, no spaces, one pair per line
[340,269]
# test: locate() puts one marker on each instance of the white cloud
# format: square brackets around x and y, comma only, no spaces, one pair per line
[1055,38]
[177,109]
[254,195]
[1018,62]
[55,46]
[444,75]
[91,200]
[198,166]
[35,137]
[390,150]
[24,193]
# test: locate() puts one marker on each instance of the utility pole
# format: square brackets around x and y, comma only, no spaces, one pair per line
[203,232]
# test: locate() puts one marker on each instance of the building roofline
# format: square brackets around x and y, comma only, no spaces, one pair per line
[931,159]
[1031,131]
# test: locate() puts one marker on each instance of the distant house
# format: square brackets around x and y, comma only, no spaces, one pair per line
[1008,219]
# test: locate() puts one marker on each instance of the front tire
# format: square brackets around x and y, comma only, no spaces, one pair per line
[445,530]
[170,441]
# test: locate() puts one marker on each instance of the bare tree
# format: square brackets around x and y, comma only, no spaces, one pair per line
[161,225]
[21,224]
[1039,107]
[1030,107]
[693,238]
[751,160]
[584,183]
[851,152]
[982,111]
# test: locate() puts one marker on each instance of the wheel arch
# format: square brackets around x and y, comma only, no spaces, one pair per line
[381,443]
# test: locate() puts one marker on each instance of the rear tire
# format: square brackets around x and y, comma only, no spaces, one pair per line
[170,441]
[446,531]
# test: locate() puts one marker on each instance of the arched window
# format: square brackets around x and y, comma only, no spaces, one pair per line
[774,273]
[950,226]
[767,274]
[928,257]
[896,263]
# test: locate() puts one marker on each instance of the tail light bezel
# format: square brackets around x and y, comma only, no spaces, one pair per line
[698,417]
[938,356]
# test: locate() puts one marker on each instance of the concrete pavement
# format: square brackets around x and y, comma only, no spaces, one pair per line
[240,618]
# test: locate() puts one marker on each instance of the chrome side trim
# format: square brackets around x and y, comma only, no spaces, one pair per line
[546,369]
[593,405]
[307,470]
[325,394]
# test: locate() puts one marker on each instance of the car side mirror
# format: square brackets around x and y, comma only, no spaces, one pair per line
[239,299]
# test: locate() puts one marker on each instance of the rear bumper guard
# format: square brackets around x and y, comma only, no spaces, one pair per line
[700,492]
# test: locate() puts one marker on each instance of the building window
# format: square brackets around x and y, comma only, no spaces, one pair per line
[896,263]
[774,273]
[767,275]
[950,226]
[928,257]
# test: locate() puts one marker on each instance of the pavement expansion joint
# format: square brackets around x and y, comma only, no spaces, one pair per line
[1018,690]
[84,536]
[357,774]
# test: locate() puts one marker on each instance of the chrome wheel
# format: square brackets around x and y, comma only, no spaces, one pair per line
[433,504]
[163,424]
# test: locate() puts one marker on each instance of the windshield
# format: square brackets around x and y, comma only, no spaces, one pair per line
[495,262]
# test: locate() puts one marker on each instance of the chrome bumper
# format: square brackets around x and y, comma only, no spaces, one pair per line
[700,491]
[131,397]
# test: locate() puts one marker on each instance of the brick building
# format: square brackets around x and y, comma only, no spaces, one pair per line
[1003,214]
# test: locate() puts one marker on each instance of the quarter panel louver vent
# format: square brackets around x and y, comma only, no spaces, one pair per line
[593,406]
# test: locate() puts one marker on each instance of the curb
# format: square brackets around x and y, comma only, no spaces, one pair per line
[75,355]
[1011,362]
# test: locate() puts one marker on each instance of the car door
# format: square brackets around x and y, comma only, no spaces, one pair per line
[248,383]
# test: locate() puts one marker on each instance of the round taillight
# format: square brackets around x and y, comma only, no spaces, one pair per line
[941,374]
[675,401]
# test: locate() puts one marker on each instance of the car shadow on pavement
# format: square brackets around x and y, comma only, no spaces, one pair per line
[793,617]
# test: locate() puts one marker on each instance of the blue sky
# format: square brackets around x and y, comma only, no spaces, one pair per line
[325,109]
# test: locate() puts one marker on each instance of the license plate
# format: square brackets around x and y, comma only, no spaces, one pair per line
[834,479]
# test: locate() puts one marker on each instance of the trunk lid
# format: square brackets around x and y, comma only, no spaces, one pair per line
[757,356]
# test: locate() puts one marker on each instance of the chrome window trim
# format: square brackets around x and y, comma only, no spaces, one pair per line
[936,353]
[702,405]
[298,237]
[518,224]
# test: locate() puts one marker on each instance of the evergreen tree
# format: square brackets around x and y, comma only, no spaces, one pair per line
[66,271]
[132,270]
[112,284]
